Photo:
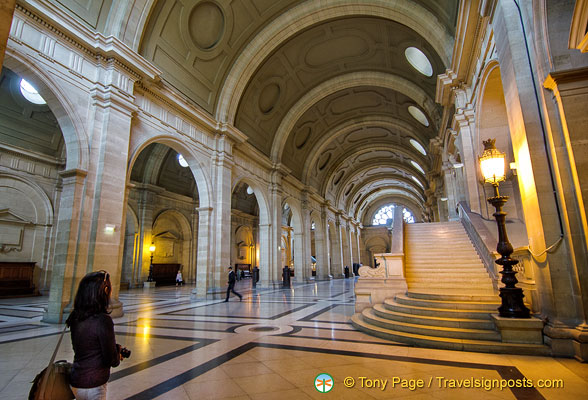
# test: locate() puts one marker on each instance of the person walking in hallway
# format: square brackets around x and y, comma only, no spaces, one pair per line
[231,287]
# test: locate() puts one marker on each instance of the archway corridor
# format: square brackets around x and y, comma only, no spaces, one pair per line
[338,141]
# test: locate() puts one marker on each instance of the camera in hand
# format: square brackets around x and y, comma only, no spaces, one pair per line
[125,353]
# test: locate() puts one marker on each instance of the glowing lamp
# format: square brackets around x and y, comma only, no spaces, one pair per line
[152,248]
[492,163]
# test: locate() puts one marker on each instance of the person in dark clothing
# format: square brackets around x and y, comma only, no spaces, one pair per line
[231,287]
[92,337]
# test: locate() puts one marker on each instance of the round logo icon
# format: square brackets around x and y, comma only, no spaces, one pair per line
[324,383]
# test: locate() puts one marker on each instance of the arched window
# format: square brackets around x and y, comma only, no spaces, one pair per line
[387,213]
[407,215]
[383,215]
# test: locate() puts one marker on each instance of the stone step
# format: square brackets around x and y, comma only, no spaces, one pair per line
[448,304]
[439,331]
[468,323]
[438,312]
[451,279]
[448,343]
[433,273]
[417,285]
[436,266]
[491,297]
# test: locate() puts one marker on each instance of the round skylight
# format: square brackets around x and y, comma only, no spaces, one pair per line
[30,93]
[414,178]
[418,115]
[419,61]
[182,161]
[417,166]
[418,146]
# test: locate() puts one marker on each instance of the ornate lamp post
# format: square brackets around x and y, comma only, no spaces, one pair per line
[152,250]
[492,164]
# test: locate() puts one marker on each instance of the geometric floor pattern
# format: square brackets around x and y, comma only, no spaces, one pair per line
[273,345]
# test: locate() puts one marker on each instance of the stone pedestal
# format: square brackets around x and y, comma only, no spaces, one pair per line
[519,330]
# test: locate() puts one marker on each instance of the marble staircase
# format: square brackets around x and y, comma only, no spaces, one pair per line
[450,298]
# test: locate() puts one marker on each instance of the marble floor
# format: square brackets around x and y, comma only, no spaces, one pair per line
[273,345]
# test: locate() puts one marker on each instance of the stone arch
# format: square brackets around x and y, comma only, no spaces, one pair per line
[130,248]
[366,78]
[27,238]
[262,246]
[344,128]
[300,250]
[58,101]
[166,239]
[198,170]
[307,14]
[492,122]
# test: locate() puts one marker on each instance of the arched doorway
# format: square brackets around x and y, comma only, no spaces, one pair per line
[34,157]
[493,124]
[244,230]
[165,195]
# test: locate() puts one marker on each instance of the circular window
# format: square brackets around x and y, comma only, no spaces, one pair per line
[30,93]
[418,115]
[182,161]
[419,61]
[414,178]
[417,166]
[418,146]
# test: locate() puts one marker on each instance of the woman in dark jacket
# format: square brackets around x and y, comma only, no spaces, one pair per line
[92,337]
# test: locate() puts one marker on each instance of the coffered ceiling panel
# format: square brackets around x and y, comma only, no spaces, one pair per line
[321,53]
[319,126]
[195,42]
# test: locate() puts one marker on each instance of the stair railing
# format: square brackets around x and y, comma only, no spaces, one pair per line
[479,235]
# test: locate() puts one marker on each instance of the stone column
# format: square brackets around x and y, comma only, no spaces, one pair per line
[274,273]
[265,253]
[357,237]
[110,123]
[62,289]
[321,246]
[192,268]
[222,165]
[570,96]
[6,12]
[562,300]
[145,205]
[450,193]
[464,126]
[337,250]
[204,262]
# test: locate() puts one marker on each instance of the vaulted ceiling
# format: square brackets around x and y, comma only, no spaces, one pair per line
[325,88]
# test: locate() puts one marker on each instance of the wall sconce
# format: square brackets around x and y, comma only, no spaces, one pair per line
[109,229]
[513,167]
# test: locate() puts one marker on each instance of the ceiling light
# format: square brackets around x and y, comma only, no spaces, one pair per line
[418,146]
[249,190]
[182,161]
[30,93]
[417,166]
[419,61]
[418,115]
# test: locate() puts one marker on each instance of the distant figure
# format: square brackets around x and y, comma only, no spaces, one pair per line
[231,287]
[179,279]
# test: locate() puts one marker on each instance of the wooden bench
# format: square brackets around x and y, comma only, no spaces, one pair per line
[16,279]
[165,274]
